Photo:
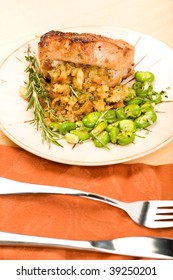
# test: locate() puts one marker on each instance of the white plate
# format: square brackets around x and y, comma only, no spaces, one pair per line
[152,54]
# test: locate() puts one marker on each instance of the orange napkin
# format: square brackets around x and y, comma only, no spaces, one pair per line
[76,218]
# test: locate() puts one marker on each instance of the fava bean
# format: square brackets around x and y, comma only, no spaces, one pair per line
[113,133]
[145,91]
[127,125]
[156,97]
[82,134]
[125,138]
[147,106]
[146,120]
[137,100]
[146,76]
[99,128]
[110,126]
[71,139]
[132,110]
[147,86]
[102,139]
[66,127]
[79,124]
[120,113]
[54,126]
[110,116]
[142,87]
[91,119]
[142,93]
[137,85]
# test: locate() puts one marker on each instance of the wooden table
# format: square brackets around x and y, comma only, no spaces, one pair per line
[20,21]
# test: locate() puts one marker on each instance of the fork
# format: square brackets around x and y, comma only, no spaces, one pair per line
[137,246]
[151,213]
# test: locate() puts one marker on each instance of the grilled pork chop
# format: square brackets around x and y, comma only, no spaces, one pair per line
[84,72]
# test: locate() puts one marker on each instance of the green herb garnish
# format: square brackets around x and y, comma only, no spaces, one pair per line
[36,89]
[73,92]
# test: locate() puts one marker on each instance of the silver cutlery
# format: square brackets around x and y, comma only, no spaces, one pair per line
[148,247]
[151,214]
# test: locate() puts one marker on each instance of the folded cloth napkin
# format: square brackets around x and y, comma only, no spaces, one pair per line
[76,218]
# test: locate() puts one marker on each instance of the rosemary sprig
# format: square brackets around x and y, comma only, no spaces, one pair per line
[73,92]
[36,89]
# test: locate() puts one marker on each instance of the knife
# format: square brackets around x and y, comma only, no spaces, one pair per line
[148,247]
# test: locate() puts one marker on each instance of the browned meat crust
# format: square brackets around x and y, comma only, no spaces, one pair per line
[86,48]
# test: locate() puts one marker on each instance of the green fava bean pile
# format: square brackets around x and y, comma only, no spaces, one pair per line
[116,126]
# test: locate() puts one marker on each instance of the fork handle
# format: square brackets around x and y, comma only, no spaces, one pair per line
[11,187]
